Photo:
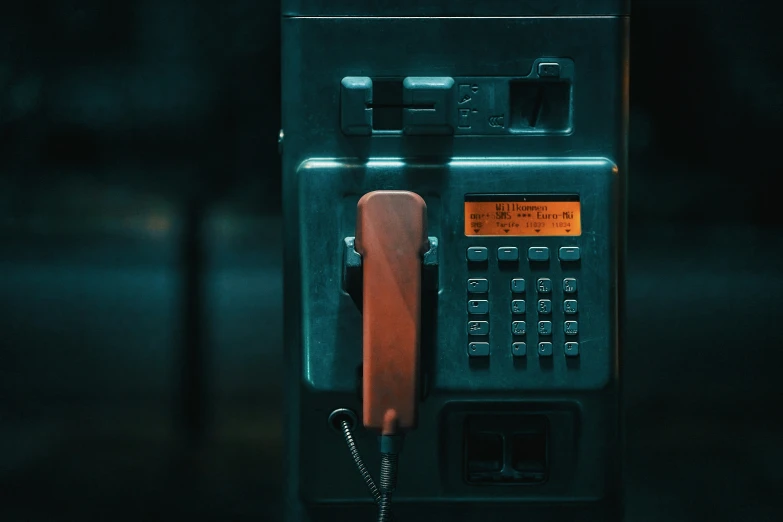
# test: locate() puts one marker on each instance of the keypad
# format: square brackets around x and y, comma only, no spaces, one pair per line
[553,315]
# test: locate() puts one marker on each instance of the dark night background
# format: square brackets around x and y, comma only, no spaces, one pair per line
[140,262]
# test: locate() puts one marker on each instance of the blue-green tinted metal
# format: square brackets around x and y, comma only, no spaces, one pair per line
[454,8]
[326,171]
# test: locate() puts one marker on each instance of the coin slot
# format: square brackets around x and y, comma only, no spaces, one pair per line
[540,107]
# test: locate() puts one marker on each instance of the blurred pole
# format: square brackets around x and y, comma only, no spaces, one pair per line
[194,347]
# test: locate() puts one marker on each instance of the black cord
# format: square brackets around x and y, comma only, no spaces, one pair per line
[388,484]
[357,459]
[388,474]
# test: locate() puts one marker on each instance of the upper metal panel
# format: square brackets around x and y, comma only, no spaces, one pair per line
[455,8]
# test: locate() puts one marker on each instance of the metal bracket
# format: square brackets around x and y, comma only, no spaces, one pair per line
[352,268]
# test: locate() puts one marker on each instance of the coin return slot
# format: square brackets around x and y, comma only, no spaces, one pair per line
[528,456]
[506,449]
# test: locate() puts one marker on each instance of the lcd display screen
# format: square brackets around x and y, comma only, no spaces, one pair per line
[522,215]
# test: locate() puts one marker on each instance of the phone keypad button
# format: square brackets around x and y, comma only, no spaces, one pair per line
[478,327]
[571,328]
[538,254]
[478,306]
[545,349]
[478,286]
[518,327]
[508,254]
[545,327]
[569,254]
[477,254]
[518,286]
[478,349]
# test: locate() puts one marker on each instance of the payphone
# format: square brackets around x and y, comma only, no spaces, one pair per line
[454,205]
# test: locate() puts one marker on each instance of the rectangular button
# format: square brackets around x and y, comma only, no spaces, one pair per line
[508,254]
[518,306]
[572,349]
[569,285]
[477,254]
[518,328]
[538,254]
[545,349]
[355,114]
[519,349]
[478,286]
[478,306]
[544,285]
[544,306]
[429,104]
[518,286]
[571,327]
[545,327]
[549,70]
[478,349]
[570,306]
[478,327]
[569,254]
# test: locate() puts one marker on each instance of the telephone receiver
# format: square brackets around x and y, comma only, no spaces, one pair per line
[391,238]
[383,269]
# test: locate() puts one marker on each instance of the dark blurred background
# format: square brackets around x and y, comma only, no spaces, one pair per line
[140,262]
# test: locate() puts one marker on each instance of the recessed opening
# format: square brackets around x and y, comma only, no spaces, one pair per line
[528,456]
[485,453]
[387,106]
[539,106]
[506,449]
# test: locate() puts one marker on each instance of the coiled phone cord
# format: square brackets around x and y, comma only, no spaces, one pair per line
[388,481]
[357,459]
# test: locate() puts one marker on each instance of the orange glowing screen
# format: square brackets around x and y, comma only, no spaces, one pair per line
[522,215]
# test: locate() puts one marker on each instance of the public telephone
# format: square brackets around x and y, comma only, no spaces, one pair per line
[454,204]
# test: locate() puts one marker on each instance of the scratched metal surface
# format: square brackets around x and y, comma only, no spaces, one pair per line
[114,117]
